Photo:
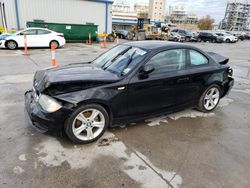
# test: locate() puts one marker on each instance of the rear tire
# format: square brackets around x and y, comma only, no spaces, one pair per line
[11,44]
[210,99]
[87,123]
[55,43]
[228,41]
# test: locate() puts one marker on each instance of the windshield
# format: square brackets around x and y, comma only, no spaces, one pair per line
[120,59]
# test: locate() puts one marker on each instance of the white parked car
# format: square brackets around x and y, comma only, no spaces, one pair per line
[227,37]
[36,37]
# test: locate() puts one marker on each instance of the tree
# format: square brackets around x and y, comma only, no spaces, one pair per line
[206,23]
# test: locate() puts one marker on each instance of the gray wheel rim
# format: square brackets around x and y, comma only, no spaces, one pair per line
[211,98]
[11,45]
[55,44]
[88,124]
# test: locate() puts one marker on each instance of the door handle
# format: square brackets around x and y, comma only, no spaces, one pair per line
[183,80]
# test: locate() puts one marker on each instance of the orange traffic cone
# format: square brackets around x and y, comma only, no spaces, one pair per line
[104,42]
[25,45]
[90,41]
[117,40]
[53,55]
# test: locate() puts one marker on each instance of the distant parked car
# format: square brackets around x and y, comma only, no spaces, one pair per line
[36,37]
[247,36]
[4,35]
[227,37]
[209,37]
[122,34]
[173,36]
[186,34]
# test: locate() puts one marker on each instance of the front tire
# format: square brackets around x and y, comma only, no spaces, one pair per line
[209,99]
[11,44]
[87,124]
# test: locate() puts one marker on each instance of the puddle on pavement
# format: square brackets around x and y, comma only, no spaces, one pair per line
[51,153]
[188,113]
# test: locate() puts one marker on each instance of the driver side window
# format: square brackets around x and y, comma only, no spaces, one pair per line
[167,61]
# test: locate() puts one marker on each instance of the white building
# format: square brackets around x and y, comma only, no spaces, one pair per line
[157,10]
[122,16]
[15,13]
[121,6]
[141,8]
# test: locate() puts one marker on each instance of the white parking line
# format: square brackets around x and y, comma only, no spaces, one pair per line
[15,79]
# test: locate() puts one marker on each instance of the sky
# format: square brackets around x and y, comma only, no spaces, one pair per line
[214,8]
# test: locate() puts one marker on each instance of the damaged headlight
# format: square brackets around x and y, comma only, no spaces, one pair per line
[49,104]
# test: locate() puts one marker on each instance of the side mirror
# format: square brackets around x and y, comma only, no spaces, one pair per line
[147,69]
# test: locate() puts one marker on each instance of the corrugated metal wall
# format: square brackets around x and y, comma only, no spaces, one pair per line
[10,13]
[60,11]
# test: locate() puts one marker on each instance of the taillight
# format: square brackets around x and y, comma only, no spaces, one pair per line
[60,35]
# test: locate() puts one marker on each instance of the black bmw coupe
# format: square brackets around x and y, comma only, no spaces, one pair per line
[130,82]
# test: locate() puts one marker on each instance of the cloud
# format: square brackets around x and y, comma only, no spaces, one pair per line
[214,8]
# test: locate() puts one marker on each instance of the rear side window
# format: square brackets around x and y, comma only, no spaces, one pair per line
[196,58]
[167,61]
[42,32]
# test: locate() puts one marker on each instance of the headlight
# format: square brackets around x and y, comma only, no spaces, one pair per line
[49,104]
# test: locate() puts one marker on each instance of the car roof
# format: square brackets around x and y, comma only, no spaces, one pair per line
[153,45]
[36,28]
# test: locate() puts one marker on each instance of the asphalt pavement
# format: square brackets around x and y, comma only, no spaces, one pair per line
[184,149]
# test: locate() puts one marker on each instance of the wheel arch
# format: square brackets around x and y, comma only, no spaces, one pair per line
[216,82]
[5,44]
[102,103]
[54,40]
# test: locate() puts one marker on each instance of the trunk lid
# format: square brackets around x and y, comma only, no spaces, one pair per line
[219,58]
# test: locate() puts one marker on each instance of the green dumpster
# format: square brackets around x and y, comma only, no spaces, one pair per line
[72,32]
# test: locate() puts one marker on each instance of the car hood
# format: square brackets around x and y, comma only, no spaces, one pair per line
[77,76]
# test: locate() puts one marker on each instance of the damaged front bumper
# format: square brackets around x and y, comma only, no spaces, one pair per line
[41,120]
[2,43]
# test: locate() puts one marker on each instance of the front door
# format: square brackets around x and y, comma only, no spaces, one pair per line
[157,92]
[31,35]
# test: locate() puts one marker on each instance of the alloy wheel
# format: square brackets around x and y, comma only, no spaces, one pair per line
[88,124]
[11,45]
[211,98]
[55,43]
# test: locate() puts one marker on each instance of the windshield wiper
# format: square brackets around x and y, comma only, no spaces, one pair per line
[129,61]
[115,58]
